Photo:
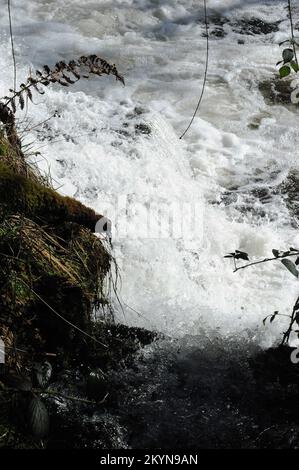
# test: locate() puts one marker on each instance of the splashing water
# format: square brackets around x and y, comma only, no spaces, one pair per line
[109,143]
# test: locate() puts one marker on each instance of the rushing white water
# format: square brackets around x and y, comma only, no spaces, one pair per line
[96,153]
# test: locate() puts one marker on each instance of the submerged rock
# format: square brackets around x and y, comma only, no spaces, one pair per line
[289,188]
[276,91]
[255,26]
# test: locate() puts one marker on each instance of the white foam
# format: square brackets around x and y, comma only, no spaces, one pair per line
[159,46]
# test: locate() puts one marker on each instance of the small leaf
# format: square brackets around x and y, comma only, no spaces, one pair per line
[286,253]
[47,69]
[76,74]
[273,316]
[290,266]
[29,94]
[21,101]
[287,55]
[241,255]
[13,105]
[275,253]
[41,92]
[67,78]
[294,66]
[284,71]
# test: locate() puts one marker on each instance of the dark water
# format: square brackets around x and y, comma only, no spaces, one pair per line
[192,392]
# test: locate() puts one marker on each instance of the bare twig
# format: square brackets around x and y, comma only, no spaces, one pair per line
[294,317]
[265,260]
[205,73]
[69,397]
[12,45]
[286,334]
[292,31]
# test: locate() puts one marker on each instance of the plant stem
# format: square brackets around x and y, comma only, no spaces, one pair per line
[292,31]
[68,397]
[265,260]
[286,335]
[12,46]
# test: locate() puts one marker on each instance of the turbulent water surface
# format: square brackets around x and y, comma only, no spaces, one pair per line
[110,143]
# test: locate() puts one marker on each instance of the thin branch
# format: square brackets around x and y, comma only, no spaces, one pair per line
[205,73]
[68,397]
[292,31]
[12,46]
[265,260]
[287,333]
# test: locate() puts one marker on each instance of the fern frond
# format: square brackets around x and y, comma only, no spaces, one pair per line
[63,73]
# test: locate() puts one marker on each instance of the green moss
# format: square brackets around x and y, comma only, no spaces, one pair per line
[4,149]
[22,195]
[52,277]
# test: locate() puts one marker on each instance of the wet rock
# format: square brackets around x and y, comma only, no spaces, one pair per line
[289,188]
[216,29]
[254,26]
[96,385]
[275,366]
[276,91]
[143,129]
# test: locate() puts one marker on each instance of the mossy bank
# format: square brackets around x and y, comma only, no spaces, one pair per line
[54,277]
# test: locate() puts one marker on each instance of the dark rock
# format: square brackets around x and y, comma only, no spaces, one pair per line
[289,188]
[142,129]
[254,26]
[96,385]
[276,91]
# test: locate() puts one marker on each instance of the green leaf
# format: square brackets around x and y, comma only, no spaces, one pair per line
[273,316]
[287,55]
[295,66]
[284,71]
[290,266]
[241,255]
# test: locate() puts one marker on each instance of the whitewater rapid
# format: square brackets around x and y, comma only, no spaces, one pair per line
[109,142]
